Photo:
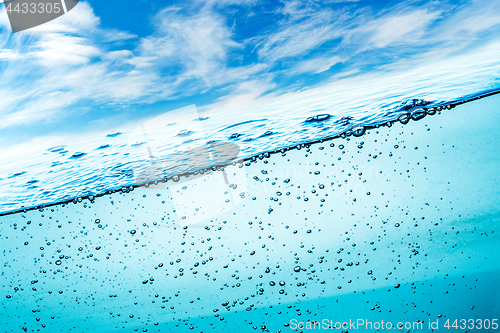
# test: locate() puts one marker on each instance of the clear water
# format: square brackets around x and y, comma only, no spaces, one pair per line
[381,233]
[368,194]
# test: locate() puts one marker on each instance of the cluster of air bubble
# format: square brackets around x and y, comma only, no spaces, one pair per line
[327,228]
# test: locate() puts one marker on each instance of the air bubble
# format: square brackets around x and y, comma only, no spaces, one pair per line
[358,131]
[404,119]
[431,111]
[418,114]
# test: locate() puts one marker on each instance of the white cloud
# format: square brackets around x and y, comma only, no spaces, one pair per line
[121,54]
[200,43]
[48,69]
[114,35]
[403,28]
[339,1]
[8,55]
[222,3]
[303,29]
[468,21]
[307,27]
[56,49]
[57,64]
[315,65]
[71,58]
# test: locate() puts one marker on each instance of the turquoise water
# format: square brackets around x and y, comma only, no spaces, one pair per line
[250,166]
[399,224]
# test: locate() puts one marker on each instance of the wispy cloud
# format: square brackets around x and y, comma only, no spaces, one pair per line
[402,27]
[315,65]
[197,48]
[55,65]
[73,58]
[302,29]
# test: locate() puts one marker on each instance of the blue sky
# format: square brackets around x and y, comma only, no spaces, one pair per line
[108,63]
